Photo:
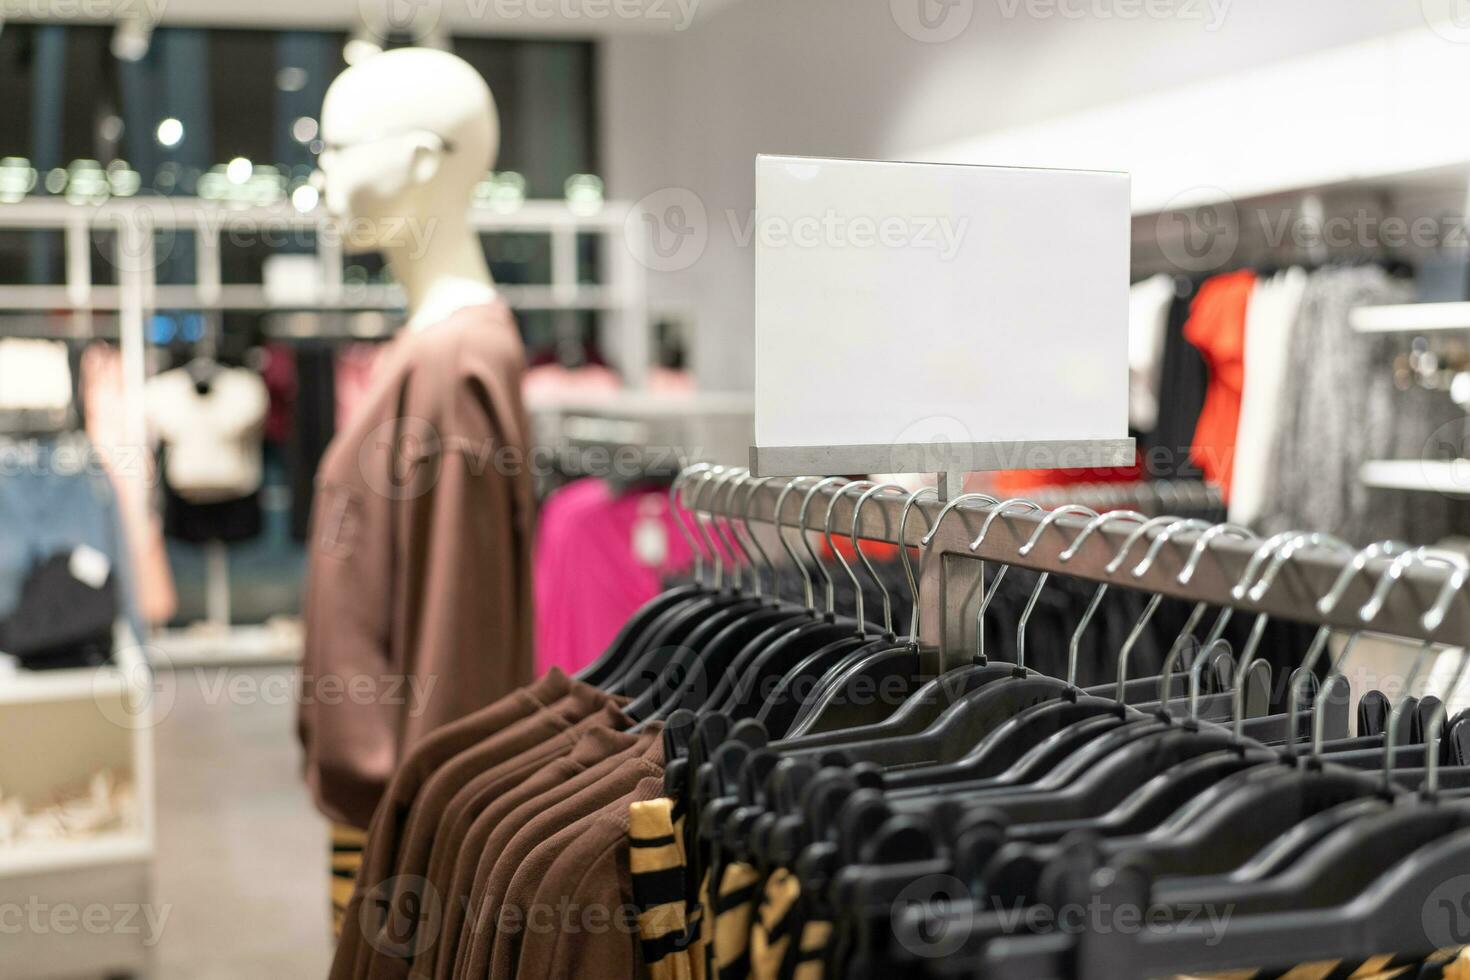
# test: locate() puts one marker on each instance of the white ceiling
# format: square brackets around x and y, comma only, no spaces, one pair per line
[421,17]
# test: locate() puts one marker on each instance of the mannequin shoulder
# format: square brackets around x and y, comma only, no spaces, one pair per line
[472,342]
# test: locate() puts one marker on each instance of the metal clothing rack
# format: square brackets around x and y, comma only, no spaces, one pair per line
[950,580]
[1188,498]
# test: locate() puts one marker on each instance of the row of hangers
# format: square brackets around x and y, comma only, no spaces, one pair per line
[803,739]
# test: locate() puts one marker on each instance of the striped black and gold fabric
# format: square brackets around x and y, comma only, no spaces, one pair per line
[1446,964]
[814,939]
[657,862]
[733,912]
[771,936]
[347,844]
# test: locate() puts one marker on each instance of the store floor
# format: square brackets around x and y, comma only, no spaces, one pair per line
[242,855]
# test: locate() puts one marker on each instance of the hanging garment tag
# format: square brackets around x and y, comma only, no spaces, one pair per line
[650,541]
[89,566]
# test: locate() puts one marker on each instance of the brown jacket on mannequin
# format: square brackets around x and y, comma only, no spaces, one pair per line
[418,593]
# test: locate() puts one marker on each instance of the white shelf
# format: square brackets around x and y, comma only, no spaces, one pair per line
[202,645]
[47,857]
[1411,318]
[75,684]
[1449,477]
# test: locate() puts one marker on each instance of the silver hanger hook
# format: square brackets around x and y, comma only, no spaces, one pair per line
[1157,545]
[1202,544]
[928,539]
[1138,532]
[755,483]
[1319,643]
[1258,627]
[1379,549]
[717,563]
[1048,520]
[1238,592]
[1026,549]
[714,479]
[1197,669]
[1390,735]
[1453,583]
[908,566]
[1074,646]
[1325,605]
[1176,649]
[998,510]
[676,501]
[1099,521]
[857,510]
[1187,573]
[806,575]
[1257,559]
[1258,592]
[1279,560]
[857,587]
[726,517]
[806,539]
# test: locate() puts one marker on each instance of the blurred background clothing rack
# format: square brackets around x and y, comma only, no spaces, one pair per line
[114,251]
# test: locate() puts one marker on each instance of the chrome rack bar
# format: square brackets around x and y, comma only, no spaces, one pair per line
[949,580]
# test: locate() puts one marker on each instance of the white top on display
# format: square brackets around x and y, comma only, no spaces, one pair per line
[938,318]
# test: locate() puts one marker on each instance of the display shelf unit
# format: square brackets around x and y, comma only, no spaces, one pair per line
[1411,318]
[58,728]
[1449,477]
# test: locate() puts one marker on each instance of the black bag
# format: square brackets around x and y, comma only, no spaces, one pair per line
[60,620]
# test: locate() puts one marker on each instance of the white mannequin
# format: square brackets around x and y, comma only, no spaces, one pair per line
[407,135]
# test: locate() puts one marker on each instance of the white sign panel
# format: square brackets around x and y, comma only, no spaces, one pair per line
[982,310]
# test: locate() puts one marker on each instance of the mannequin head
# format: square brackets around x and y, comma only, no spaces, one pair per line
[408,133]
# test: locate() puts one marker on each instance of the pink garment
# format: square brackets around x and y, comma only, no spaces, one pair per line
[352,378]
[550,380]
[599,556]
[133,474]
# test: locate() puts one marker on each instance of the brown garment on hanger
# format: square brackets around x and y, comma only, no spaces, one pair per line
[388,823]
[590,875]
[538,740]
[418,590]
[501,921]
[396,842]
[597,753]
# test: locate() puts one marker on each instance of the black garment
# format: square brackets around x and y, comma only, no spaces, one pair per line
[1184,378]
[226,520]
[312,428]
[61,621]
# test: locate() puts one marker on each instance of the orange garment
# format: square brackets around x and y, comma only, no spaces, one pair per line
[1216,328]
[1018,483]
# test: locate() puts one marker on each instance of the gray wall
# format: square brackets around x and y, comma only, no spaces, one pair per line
[840,78]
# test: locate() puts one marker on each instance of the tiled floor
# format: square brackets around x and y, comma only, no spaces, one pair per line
[242,854]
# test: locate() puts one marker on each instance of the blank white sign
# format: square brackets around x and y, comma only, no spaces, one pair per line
[906,303]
